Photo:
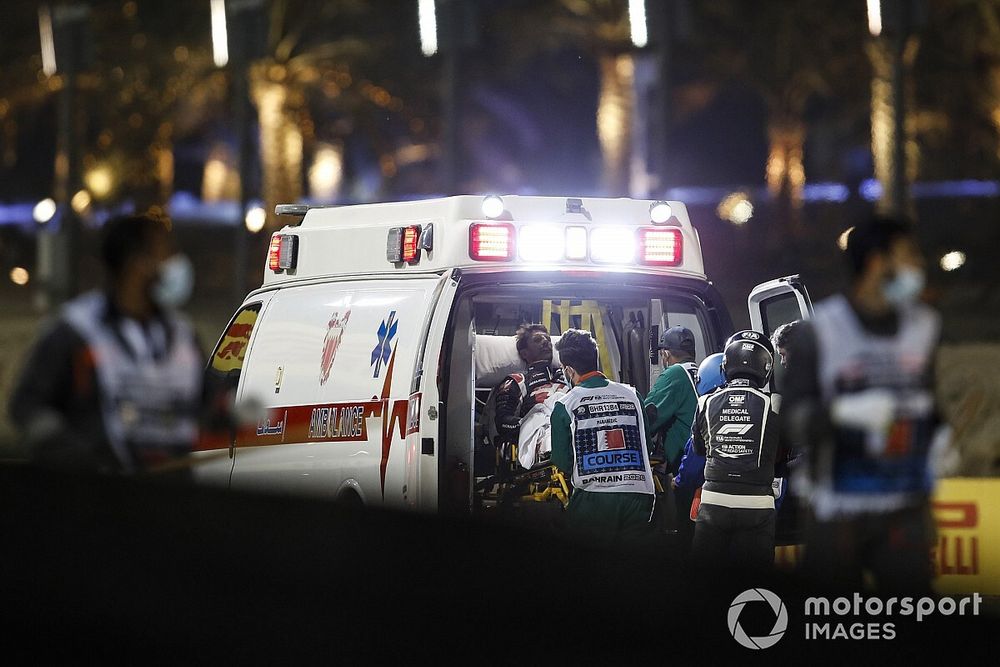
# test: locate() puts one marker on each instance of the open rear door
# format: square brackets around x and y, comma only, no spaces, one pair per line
[778,302]
[424,449]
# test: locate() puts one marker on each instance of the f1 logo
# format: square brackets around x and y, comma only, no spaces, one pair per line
[734,429]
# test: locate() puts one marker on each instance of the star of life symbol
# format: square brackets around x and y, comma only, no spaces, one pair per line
[383,350]
[780,618]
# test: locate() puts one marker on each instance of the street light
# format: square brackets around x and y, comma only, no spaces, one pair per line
[875,17]
[637,22]
[44,210]
[220,38]
[427,17]
[48,40]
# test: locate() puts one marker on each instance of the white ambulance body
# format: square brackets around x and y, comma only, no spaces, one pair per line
[380,329]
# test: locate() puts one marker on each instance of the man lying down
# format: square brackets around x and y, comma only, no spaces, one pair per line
[524,401]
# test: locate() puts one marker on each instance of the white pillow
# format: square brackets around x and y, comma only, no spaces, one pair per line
[496,358]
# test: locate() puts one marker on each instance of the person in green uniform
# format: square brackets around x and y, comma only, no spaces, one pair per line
[599,442]
[674,395]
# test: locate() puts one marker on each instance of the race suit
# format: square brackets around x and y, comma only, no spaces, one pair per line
[517,394]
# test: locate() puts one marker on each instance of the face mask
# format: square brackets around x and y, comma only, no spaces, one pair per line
[174,283]
[904,288]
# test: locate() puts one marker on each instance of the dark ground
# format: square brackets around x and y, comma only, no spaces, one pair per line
[98,568]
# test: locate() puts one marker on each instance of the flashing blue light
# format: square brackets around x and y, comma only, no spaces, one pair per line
[185,207]
[956,189]
[870,189]
[831,192]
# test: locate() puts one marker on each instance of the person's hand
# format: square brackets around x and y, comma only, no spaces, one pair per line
[673,483]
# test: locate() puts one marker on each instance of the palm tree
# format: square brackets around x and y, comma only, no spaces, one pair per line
[600,29]
[789,53]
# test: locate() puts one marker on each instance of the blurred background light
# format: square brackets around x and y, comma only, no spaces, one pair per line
[953,260]
[19,275]
[255,218]
[875,17]
[220,38]
[81,201]
[43,211]
[428,27]
[637,22]
[842,239]
[100,181]
[326,173]
[736,208]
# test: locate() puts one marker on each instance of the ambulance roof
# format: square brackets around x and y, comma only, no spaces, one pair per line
[352,240]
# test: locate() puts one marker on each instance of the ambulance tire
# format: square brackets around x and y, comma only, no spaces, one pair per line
[350,499]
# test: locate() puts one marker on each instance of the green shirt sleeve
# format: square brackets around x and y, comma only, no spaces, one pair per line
[670,393]
[562,439]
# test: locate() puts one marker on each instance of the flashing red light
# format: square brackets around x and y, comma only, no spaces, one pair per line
[661,247]
[274,253]
[491,241]
[283,252]
[411,244]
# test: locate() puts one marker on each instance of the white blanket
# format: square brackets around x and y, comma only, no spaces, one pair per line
[534,441]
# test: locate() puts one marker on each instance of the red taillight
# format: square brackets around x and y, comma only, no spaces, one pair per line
[660,247]
[273,253]
[411,243]
[491,241]
[282,254]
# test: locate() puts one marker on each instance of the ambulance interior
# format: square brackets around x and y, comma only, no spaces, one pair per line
[621,317]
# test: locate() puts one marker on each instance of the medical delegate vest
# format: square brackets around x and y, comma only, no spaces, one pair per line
[740,444]
[609,441]
[852,360]
[149,407]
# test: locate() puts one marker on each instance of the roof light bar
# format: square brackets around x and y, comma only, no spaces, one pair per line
[661,247]
[491,241]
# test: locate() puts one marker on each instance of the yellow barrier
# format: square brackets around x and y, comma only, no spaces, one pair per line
[966,553]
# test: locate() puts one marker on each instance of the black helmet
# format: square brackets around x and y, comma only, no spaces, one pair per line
[750,355]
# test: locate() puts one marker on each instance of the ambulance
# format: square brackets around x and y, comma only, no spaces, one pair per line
[370,350]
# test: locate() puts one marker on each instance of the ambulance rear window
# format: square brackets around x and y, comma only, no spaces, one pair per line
[232,348]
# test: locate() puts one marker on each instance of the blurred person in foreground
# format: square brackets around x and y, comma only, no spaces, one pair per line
[859,401]
[114,382]
[599,441]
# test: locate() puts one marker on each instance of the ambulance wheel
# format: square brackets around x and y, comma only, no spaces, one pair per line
[350,499]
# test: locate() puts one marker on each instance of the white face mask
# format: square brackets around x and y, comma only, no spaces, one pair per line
[174,283]
[904,288]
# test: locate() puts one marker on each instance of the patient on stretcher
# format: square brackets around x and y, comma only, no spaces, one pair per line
[524,400]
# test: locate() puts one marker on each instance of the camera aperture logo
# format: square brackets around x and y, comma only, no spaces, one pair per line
[780,618]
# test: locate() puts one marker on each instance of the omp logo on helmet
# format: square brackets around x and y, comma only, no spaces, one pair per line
[780,618]
[751,335]
[734,429]
[611,439]
[737,399]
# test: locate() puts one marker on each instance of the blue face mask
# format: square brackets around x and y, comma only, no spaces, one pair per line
[905,287]
[174,283]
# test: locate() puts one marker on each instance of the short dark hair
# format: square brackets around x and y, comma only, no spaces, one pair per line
[128,236]
[784,333]
[578,349]
[874,236]
[525,331]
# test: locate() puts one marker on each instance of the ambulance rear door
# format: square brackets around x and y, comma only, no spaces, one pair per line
[778,302]
[426,414]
